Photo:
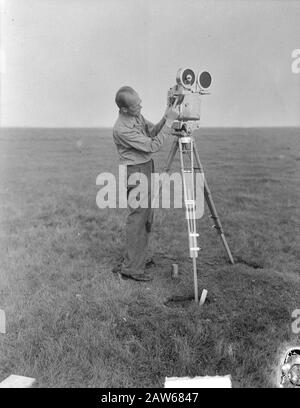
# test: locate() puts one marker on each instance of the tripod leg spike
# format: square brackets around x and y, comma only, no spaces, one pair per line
[195,280]
[227,249]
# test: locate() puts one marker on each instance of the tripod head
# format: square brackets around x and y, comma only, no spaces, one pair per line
[186,95]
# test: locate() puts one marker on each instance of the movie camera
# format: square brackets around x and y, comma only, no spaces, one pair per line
[186,96]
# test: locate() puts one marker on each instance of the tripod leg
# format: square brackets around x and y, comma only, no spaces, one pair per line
[195,280]
[212,208]
[215,217]
[190,204]
[171,156]
[167,168]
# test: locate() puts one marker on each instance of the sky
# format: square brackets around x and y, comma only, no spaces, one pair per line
[62,61]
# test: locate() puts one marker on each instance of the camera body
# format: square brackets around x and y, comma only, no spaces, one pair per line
[186,96]
[188,103]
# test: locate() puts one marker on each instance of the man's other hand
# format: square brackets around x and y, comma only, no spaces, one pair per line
[171,114]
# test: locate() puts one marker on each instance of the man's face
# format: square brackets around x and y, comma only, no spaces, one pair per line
[133,105]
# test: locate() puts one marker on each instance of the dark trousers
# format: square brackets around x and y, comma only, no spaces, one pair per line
[138,223]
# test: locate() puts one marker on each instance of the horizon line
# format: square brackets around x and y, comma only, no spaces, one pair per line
[110,127]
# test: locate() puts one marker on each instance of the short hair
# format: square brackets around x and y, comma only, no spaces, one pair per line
[120,99]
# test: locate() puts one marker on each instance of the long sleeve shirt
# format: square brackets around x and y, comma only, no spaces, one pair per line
[135,139]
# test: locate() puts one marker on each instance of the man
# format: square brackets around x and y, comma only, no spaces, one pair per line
[136,140]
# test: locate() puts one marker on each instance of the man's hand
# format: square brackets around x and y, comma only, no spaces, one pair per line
[171,114]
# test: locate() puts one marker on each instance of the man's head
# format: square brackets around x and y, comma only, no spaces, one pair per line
[128,101]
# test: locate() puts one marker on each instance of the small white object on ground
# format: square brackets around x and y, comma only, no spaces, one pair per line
[175,271]
[203,297]
[199,382]
[79,144]
[2,322]
[17,381]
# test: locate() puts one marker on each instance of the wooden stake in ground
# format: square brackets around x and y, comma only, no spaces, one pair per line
[2,322]
[175,274]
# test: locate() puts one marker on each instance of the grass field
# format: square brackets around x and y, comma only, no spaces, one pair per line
[71,322]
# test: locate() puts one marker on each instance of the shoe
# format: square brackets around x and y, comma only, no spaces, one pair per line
[143,277]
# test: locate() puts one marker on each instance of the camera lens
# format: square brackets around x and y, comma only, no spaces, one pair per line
[186,77]
[204,79]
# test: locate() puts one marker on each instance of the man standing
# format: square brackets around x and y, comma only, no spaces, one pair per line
[136,140]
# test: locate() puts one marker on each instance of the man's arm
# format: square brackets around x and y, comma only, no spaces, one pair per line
[137,140]
[158,127]
[155,129]
[170,115]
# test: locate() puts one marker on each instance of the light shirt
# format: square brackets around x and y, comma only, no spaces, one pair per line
[135,140]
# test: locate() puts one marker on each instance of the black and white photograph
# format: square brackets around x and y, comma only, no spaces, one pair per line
[149,196]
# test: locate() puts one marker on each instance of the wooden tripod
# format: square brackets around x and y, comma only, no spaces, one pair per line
[186,145]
